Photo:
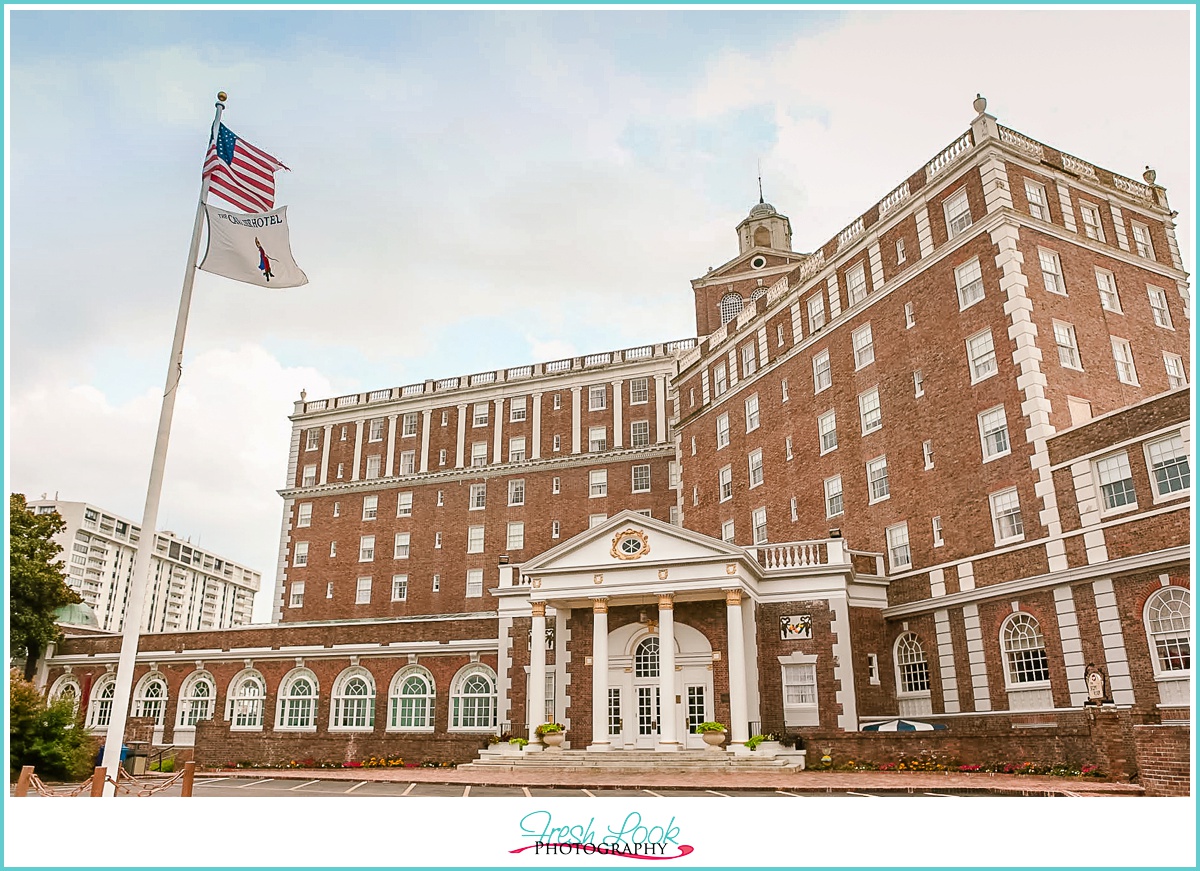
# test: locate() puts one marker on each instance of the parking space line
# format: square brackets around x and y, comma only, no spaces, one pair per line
[588,793]
[256,783]
[528,794]
[301,786]
[714,792]
[655,794]
[467,791]
[792,794]
[862,795]
[209,780]
[410,789]
[356,786]
[941,795]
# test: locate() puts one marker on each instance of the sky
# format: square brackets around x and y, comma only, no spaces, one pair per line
[470,190]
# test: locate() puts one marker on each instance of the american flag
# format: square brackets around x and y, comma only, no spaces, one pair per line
[239,173]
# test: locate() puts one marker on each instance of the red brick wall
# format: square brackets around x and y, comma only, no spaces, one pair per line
[1164,759]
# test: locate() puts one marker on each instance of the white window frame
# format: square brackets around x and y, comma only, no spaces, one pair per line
[1013,679]
[408,462]
[516,491]
[870,412]
[641,471]
[366,548]
[597,483]
[514,538]
[758,524]
[1094,228]
[899,551]
[833,490]
[362,592]
[308,476]
[402,546]
[988,433]
[798,681]
[303,515]
[754,462]
[516,409]
[474,584]
[1035,197]
[300,554]
[1179,450]
[477,498]
[374,467]
[516,449]
[864,347]
[1143,245]
[725,483]
[639,433]
[816,313]
[597,439]
[476,535]
[1000,499]
[752,413]
[749,359]
[938,539]
[345,709]
[873,466]
[639,391]
[1052,275]
[910,316]
[856,285]
[408,425]
[918,384]
[968,279]
[370,507]
[597,397]
[1123,360]
[1113,478]
[927,453]
[296,599]
[1176,373]
[312,439]
[1159,308]
[399,588]
[555,529]
[479,414]
[1067,346]
[479,454]
[375,429]
[822,372]
[1110,294]
[722,430]
[420,712]
[404,504]
[1178,626]
[954,208]
[976,355]
[728,531]
[720,379]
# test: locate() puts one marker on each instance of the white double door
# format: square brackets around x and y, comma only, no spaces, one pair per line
[635,708]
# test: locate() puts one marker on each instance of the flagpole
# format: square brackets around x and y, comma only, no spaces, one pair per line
[136,601]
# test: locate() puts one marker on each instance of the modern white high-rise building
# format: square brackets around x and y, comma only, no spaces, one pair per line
[189,588]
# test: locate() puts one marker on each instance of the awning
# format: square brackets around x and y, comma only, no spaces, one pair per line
[902,726]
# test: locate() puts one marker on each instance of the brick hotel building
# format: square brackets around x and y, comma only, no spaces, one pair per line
[937,468]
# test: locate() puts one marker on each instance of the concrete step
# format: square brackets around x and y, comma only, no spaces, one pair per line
[631,760]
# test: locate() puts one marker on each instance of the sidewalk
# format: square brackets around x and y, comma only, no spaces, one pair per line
[800,781]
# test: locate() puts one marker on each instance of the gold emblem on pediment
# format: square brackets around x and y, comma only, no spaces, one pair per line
[630,544]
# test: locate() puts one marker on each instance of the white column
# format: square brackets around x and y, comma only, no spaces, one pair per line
[535,450]
[660,405]
[497,455]
[739,728]
[535,704]
[666,672]
[462,435]
[425,415]
[390,465]
[358,442]
[600,676]
[575,419]
[618,422]
[325,454]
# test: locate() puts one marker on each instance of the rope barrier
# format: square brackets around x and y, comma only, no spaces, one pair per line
[125,783]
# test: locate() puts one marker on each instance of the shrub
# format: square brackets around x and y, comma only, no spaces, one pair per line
[48,737]
[710,726]
[518,742]
[549,729]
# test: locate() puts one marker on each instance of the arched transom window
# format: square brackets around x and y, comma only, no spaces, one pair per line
[912,669]
[150,699]
[1168,628]
[100,709]
[246,695]
[1024,650]
[66,687]
[410,700]
[731,307]
[298,700]
[473,702]
[196,699]
[353,700]
[645,658]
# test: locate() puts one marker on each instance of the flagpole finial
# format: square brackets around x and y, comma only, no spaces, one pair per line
[222,96]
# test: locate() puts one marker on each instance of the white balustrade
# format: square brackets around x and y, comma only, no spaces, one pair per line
[948,156]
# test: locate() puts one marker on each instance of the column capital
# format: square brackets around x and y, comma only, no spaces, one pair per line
[577,389]
[328,427]
[393,416]
[539,609]
[428,412]
[600,605]
[733,597]
[536,394]
[666,601]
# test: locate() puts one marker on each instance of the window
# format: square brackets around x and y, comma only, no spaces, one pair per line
[639,434]
[353,700]
[900,255]
[1168,629]
[1158,306]
[752,413]
[300,557]
[445,418]
[827,428]
[1110,300]
[641,479]
[1052,275]
[437,541]
[309,477]
[938,541]
[366,548]
[969,280]
[816,313]
[800,685]
[297,700]
[479,454]
[555,485]
[727,531]
[912,668]
[856,285]
[408,462]
[555,529]
[1116,481]
[100,707]
[402,545]
[442,457]
[1123,357]
[339,470]
[477,500]
[597,438]
[312,439]
[597,483]
[343,436]
[597,397]
[899,555]
[787,447]
[958,213]
[516,411]
[516,491]
[918,384]
[756,468]
[297,597]
[822,375]
[749,360]
[869,411]
[375,430]
[695,495]
[783,390]
[557,403]
[557,444]
[399,588]
[516,449]
[474,583]
[1024,650]
[410,699]
[758,519]
[794,511]
[1036,196]
[408,425]
[246,702]
[473,700]
[370,507]
[516,536]
[673,475]
[639,391]
[720,381]
[332,549]
[993,433]
[833,496]
[725,483]
[864,347]
[373,463]
[404,502]
[480,415]
[440,499]
[1006,516]
[1068,349]
[878,488]
[474,539]
[722,430]
[982,356]
[779,335]
[910,317]
[1141,240]
[1092,227]
[329,590]
[304,515]
[731,307]
[1169,467]
[927,453]
[437,583]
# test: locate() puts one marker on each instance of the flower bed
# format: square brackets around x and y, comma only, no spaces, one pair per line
[1059,769]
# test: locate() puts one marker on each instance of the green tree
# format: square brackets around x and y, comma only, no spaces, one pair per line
[37,585]
[47,736]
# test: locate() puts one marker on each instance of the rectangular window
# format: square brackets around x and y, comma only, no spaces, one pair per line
[1116,481]
[1006,516]
[1091,221]
[370,507]
[408,425]
[927,453]
[1110,300]
[864,346]
[799,685]
[304,514]
[555,485]
[445,418]
[827,428]
[1052,275]
[404,503]
[362,592]
[555,529]
[558,443]
[899,556]
[993,433]
[779,335]
[1169,467]
[557,403]
[725,483]
[639,391]
[783,390]
[516,536]
[309,478]
[722,430]
[339,471]
[900,255]
[437,583]
[312,439]
[337,509]
[1176,375]
[910,317]
[1123,357]
[597,397]
[816,313]
[1141,240]
[787,447]
[441,500]
[1036,195]
[833,496]
[720,380]
[516,491]
[969,280]
[399,588]
[641,479]
[749,360]
[366,548]
[402,545]
[918,384]
[597,438]
[479,416]
[297,599]
[300,554]
[516,411]
[479,451]
[795,511]
[938,541]
[758,520]
[373,464]
[755,463]
[1158,306]
[596,519]
[878,488]
[856,285]
[982,356]
[752,413]
[727,531]
[437,541]
[375,430]
[869,411]
[408,462]
[1068,348]
[474,583]
[474,539]
[477,499]
[958,213]
[516,449]
[597,483]
[442,457]
[639,434]
[822,374]
[673,475]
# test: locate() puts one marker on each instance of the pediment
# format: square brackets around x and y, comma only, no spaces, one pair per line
[742,266]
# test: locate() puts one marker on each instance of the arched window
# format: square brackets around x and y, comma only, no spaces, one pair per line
[298,693]
[1024,650]
[66,687]
[150,698]
[196,698]
[912,669]
[1168,629]
[410,700]
[353,700]
[762,237]
[645,658]
[246,694]
[731,307]
[100,709]
[473,700]
[758,291]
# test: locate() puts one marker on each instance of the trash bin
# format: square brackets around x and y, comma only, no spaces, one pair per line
[134,758]
[100,755]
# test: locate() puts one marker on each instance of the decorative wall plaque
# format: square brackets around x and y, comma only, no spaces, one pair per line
[797,627]
[630,544]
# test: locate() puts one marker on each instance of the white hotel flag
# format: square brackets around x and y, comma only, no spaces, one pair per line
[252,248]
